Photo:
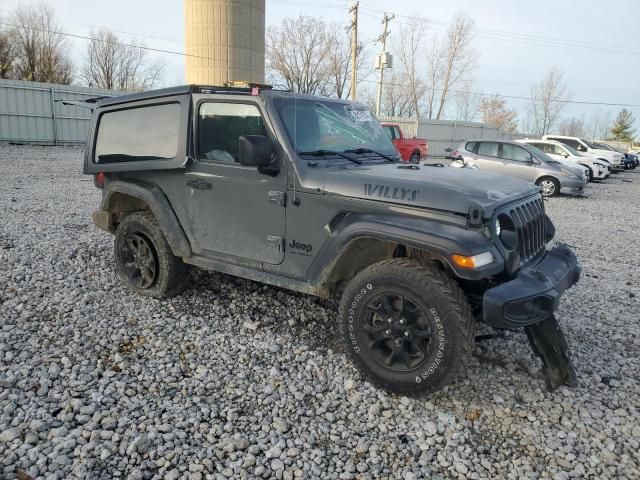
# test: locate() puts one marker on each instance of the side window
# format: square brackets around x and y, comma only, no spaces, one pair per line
[488,149]
[470,146]
[545,147]
[396,131]
[572,143]
[220,125]
[514,152]
[389,131]
[142,133]
[556,150]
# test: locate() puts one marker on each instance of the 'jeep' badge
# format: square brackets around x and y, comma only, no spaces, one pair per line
[393,193]
[298,248]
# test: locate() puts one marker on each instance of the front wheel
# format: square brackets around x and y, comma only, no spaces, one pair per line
[550,186]
[406,325]
[415,158]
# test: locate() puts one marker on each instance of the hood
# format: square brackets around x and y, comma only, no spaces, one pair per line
[447,189]
[613,157]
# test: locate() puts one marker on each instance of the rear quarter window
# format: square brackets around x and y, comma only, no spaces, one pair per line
[150,132]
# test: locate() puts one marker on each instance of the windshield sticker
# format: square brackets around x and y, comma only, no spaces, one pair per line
[344,126]
[360,115]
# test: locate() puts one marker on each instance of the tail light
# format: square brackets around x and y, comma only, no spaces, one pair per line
[98,180]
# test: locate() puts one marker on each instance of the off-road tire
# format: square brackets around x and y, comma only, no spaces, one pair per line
[442,304]
[556,186]
[415,158]
[171,273]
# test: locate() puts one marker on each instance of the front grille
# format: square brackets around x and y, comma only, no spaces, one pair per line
[528,219]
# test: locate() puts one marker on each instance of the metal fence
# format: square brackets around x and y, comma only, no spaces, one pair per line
[445,133]
[32,112]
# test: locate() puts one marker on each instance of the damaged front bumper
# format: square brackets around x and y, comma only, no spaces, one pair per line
[529,300]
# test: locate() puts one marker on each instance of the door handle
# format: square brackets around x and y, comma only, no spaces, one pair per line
[199,184]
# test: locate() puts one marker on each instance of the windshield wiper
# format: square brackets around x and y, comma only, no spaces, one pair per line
[320,153]
[363,150]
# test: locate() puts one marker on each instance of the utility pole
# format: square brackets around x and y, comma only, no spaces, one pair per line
[383,39]
[354,48]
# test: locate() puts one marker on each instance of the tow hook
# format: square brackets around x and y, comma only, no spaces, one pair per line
[548,342]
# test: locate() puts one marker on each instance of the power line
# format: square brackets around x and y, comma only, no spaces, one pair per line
[503,35]
[516,97]
[158,50]
[85,37]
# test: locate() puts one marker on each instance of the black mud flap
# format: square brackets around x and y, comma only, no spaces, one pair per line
[548,343]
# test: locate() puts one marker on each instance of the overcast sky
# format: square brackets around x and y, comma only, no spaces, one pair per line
[595,44]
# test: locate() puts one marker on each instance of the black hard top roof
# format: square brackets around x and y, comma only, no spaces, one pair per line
[187,89]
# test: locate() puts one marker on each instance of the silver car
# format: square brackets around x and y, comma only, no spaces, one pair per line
[524,162]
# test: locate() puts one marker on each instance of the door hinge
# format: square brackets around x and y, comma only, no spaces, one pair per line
[276,242]
[277,197]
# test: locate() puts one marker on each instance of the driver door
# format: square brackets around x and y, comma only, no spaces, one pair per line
[234,211]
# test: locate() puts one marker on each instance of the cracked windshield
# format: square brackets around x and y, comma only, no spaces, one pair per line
[333,126]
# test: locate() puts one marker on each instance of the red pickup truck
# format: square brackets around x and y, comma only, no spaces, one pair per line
[411,150]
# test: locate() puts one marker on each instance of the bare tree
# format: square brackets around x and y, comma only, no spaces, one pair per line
[467,103]
[7,54]
[572,127]
[458,55]
[40,48]
[110,63]
[547,101]
[494,112]
[436,61]
[297,55]
[600,124]
[397,100]
[407,47]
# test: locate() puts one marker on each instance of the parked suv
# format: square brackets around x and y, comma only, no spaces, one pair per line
[616,159]
[308,193]
[597,169]
[524,162]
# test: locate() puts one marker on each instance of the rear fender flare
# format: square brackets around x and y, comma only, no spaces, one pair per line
[159,206]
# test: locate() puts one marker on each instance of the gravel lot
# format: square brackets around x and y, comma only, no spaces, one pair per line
[234,379]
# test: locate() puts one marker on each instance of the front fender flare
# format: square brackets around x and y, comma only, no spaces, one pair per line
[159,206]
[443,239]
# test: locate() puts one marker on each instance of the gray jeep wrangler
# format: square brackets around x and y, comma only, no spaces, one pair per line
[309,194]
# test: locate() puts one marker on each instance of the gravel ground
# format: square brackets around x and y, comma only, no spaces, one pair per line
[234,379]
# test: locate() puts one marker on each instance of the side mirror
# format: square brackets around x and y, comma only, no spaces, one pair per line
[566,155]
[254,150]
[448,149]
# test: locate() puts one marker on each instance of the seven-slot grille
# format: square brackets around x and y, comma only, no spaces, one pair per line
[528,219]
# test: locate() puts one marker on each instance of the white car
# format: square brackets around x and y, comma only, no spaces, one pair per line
[616,159]
[597,169]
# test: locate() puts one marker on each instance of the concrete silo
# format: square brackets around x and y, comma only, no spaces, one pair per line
[224,41]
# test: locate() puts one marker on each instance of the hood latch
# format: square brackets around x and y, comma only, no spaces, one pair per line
[475,217]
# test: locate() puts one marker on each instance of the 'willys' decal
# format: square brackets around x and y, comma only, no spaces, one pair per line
[394,193]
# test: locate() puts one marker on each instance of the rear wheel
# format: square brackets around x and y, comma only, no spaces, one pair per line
[415,157]
[406,325]
[550,186]
[144,261]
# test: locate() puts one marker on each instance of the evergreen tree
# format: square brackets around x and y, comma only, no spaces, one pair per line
[622,129]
